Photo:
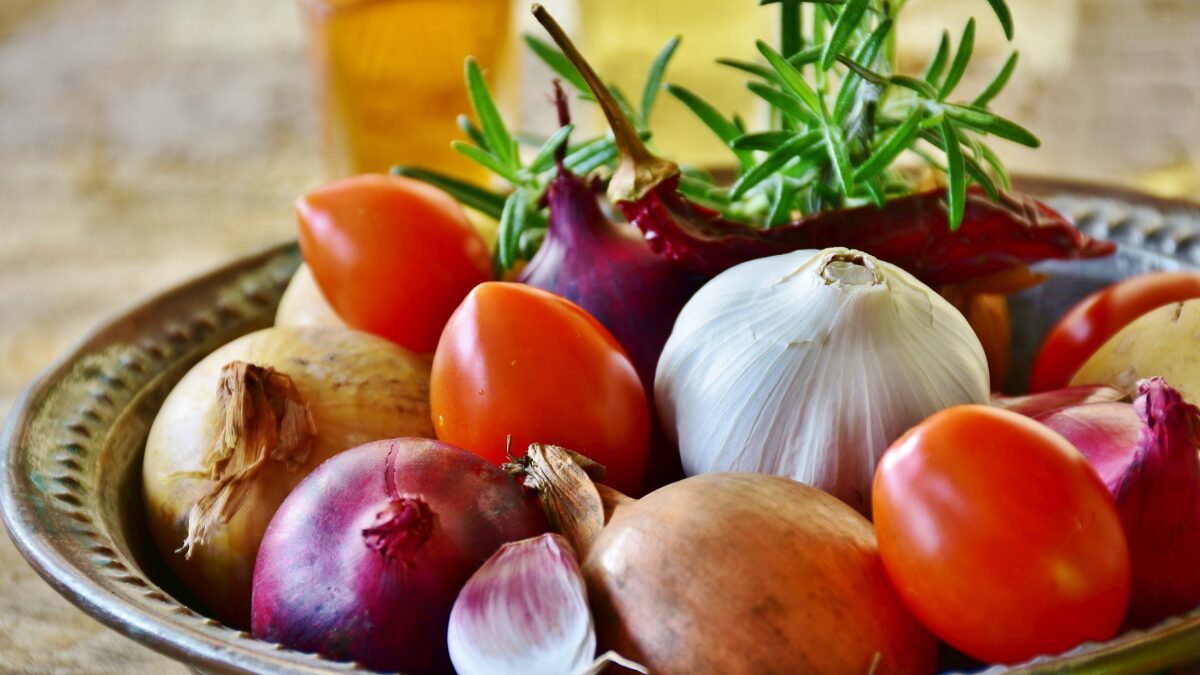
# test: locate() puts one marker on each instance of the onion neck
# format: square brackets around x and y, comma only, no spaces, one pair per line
[574,210]
[400,529]
[575,506]
[639,170]
[263,418]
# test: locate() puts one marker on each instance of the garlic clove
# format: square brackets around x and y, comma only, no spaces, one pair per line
[525,612]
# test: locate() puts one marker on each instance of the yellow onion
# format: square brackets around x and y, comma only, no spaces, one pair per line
[251,420]
[730,573]
[303,304]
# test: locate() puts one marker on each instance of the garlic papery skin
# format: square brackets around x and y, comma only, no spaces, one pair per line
[525,612]
[809,365]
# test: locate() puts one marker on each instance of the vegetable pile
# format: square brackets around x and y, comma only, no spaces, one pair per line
[672,424]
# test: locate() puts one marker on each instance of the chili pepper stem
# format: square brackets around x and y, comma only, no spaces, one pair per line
[639,170]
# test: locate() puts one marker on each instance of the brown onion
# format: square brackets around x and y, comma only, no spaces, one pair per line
[732,573]
[246,424]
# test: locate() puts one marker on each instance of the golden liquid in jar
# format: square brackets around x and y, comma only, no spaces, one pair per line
[389,78]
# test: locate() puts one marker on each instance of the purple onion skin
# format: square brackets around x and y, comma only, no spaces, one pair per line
[1106,433]
[363,561]
[608,269]
[1159,501]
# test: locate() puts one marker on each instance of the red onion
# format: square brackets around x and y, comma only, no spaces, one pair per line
[364,559]
[1147,455]
[607,268]
[1106,433]
[1033,405]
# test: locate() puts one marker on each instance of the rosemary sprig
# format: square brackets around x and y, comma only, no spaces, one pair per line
[839,127]
[521,211]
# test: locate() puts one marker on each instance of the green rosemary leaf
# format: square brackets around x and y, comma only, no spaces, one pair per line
[1005,16]
[471,131]
[763,3]
[489,161]
[993,161]
[594,154]
[762,140]
[602,156]
[862,72]
[791,77]
[775,161]
[508,233]
[997,84]
[980,175]
[623,102]
[557,61]
[781,203]
[783,101]
[977,171]
[545,155]
[498,139]
[991,123]
[699,191]
[835,143]
[956,190]
[920,86]
[530,241]
[467,194]
[586,151]
[714,120]
[866,54]
[875,190]
[966,47]
[843,29]
[739,122]
[791,22]
[806,56]
[887,151]
[754,69]
[655,76]
[934,70]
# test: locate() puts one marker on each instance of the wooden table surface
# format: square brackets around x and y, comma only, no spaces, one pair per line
[143,141]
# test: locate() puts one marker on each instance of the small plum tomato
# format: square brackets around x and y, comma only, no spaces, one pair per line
[1000,536]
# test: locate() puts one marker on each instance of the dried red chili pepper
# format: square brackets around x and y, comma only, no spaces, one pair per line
[912,232]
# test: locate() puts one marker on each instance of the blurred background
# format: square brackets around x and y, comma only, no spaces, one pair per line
[143,141]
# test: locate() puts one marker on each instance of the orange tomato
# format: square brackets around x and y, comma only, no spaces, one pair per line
[393,255]
[1000,536]
[522,361]
[1101,315]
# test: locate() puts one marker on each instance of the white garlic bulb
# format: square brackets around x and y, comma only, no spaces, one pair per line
[809,365]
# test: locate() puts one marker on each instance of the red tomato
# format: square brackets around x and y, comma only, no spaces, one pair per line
[1000,536]
[519,360]
[1089,324]
[393,255]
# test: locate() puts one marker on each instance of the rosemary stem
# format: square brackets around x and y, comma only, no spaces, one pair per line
[791,37]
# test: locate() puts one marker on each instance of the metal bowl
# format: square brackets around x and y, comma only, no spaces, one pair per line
[70,453]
